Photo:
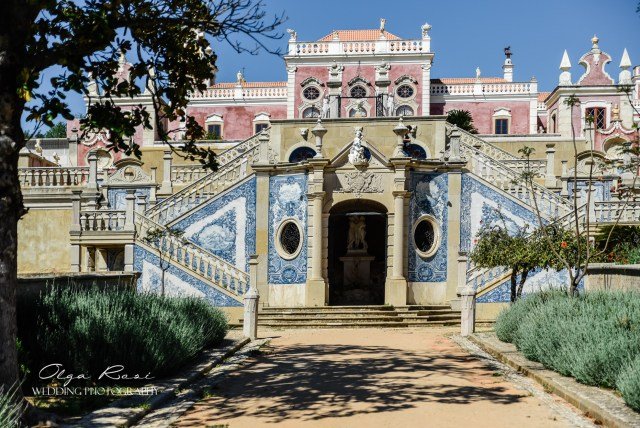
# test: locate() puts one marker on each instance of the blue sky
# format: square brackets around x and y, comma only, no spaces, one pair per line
[465,34]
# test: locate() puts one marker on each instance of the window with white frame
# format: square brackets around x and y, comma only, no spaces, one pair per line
[214,125]
[501,121]
[404,111]
[261,122]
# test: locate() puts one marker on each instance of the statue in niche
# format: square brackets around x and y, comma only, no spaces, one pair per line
[325,108]
[356,154]
[391,105]
[357,234]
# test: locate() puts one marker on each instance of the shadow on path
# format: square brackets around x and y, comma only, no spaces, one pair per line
[310,382]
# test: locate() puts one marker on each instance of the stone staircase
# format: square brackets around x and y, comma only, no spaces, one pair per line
[232,168]
[356,317]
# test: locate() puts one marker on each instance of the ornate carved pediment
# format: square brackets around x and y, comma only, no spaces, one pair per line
[129,174]
[359,182]
[312,79]
[359,79]
[405,78]
[374,157]
[90,138]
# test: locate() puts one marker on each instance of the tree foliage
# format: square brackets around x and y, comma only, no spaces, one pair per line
[59,130]
[462,119]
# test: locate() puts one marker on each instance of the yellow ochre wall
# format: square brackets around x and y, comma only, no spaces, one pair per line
[43,241]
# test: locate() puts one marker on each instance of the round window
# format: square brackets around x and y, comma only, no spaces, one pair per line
[426,236]
[311,93]
[405,91]
[358,92]
[289,239]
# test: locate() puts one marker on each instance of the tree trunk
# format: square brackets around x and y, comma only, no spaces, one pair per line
[523,278]
[11,207]
[514,274]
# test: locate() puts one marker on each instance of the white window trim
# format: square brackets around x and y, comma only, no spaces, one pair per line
[281,251]
[594,104]
[215,119]
[437,231]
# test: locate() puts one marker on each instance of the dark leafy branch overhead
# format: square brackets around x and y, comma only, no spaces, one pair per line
[168,45]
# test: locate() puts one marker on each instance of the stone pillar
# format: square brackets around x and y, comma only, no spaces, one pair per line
[74,253]
[550,177]
[167,160]
[75,210]
[400,130]
[262,235]
[101,260]
[263,149]
[89,259]
[92,181]
[454,199]
[251,299]
[128,258]
[395,292]
[454,145]
[316,246]
[564,191]
[141,204]
[128,218]
[468,312]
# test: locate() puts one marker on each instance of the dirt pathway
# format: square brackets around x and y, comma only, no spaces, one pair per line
[371,378]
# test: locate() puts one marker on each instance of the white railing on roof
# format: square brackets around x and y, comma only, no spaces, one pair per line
[338,47]
[241,92]
[506,88]
[542,106]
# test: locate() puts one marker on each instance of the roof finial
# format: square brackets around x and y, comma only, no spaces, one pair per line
[625,78]
[594,41]
[382,22]
[565,66]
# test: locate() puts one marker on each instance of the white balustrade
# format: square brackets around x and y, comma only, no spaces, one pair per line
[617,211]
[32,177]
[506,88]
[232,169]
[273,92]
[102,220]
[184,174]
[194,258]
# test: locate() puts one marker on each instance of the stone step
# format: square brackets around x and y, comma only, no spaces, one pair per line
[328,314]
[427,313]
[421,308]
[328,319]
[327,308]
[316,324]
[452,317]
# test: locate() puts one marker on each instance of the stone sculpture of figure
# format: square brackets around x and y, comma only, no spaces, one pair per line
[240,77]
[325,107]
[357,234]
[293,35]
[391,105]
[477,72]
[356,154]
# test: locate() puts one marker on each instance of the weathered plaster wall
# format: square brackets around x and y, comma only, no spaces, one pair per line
[238,118]
[43,244]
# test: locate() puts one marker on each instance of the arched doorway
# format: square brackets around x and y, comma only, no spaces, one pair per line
[357,253]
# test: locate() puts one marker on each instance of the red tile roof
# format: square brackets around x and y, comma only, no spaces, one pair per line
[358,36]
[228,85]
[543,96]
[459,80]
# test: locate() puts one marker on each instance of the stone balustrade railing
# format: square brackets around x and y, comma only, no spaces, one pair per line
[184,174]
[486,148]
[536,166]
[542,106]
[242,92]
[337,47]
[483,88]
[192,257]
[102,220]
[617,211]
[232,168]
[502,176]
[480,278]
[33,177]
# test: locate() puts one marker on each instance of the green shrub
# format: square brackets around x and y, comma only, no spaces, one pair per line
[89,330]
[10,409]
[628,384]
[593,338]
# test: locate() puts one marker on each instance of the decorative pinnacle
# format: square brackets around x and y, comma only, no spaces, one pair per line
[400,129]
[565,64]
[319,130]
[594,41]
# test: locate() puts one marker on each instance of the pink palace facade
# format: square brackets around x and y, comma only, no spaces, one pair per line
[374,73]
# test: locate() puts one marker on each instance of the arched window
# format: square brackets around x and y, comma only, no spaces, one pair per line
[358,92]
[357,112]
[301,154]
[214,126]
[404,111]
[415,151]
[310,112]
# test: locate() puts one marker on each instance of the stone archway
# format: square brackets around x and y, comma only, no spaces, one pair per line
[357,253]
